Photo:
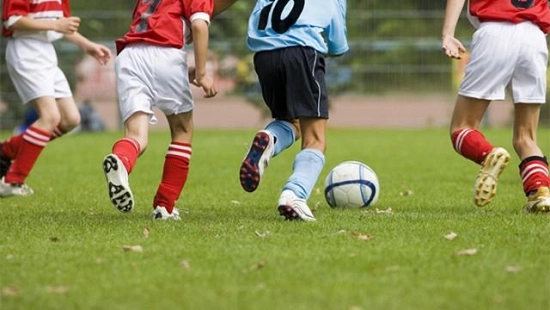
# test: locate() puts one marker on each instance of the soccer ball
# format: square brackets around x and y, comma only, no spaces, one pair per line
[351,184]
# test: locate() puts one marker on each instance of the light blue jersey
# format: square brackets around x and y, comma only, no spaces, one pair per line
[319,24]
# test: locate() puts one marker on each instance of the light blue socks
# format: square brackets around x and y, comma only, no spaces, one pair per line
[283,133]
[307,167]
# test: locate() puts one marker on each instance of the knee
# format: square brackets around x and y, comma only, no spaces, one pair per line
[50,120]
[69,122]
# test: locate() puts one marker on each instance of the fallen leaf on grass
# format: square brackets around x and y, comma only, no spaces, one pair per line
[235,202]
[467,252]
[387,211]
[262,235]
[185,264]
[450,236]
[256,266]
[316,206]
[513,269]
[10,256]
[132,248]
[146,232]
[10,290]
[406,192]
[57,289]
[363,237]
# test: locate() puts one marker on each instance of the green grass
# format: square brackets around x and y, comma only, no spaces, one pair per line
[62,248]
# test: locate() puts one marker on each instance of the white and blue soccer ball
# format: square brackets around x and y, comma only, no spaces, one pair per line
[352,184]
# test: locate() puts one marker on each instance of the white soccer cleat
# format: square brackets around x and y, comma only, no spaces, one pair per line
[538,201]
[485,186]
[117,183]
[294,208]
[160,213]
[9,189]
[256,160]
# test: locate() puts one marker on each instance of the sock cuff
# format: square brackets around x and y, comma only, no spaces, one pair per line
[316,153]
[179,150]
[533,158]
[285,125]
[36,136]
[132,142]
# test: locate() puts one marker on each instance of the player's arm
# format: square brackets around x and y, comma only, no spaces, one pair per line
[100,52]
[222,5]
[200,47]
[64,25]
[336,31]
[451,46]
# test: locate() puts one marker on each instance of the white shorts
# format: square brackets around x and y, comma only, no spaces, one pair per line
[32,66]
[152,76]
[506,55]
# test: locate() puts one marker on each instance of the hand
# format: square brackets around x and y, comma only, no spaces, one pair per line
[191,76]
[67,25]
[100,52]
[207,84]
[452,47]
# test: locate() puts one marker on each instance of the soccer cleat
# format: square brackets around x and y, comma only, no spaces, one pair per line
[294,208]
[256,160]
[538,201]
[117,183]
[5,163]
[486,183]
[160,213]
[12,189]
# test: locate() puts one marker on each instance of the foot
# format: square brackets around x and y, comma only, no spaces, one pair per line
[117,183]
[294,208]
[14,189]
[160,213]
[486,183]
[256,160]
[538,201]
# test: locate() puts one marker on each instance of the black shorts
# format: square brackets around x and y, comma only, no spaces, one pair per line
[293,82]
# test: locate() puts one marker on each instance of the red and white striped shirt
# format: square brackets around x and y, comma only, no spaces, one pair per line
[513,11]
[163,22]
[13,10]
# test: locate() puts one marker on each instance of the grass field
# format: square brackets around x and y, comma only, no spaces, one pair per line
[63,247]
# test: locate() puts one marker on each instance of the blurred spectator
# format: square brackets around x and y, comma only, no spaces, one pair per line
[90,118]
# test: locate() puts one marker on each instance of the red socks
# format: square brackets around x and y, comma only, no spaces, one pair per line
[471,144]
[174,176]
[11,146]
[127,150]
[534,173]
[29,145]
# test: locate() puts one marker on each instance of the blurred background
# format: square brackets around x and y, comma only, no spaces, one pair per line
[395,74]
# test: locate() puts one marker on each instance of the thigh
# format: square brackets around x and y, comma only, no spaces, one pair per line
[529,79]
[293,82]
[492,62]
[172,88]
[32,66]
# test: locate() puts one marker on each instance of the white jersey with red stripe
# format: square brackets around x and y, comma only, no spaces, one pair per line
[164,22]
[13,10]
[513,11]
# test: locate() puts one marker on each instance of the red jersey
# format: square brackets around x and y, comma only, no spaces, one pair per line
[514,11]
[12,10]
[161,22]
